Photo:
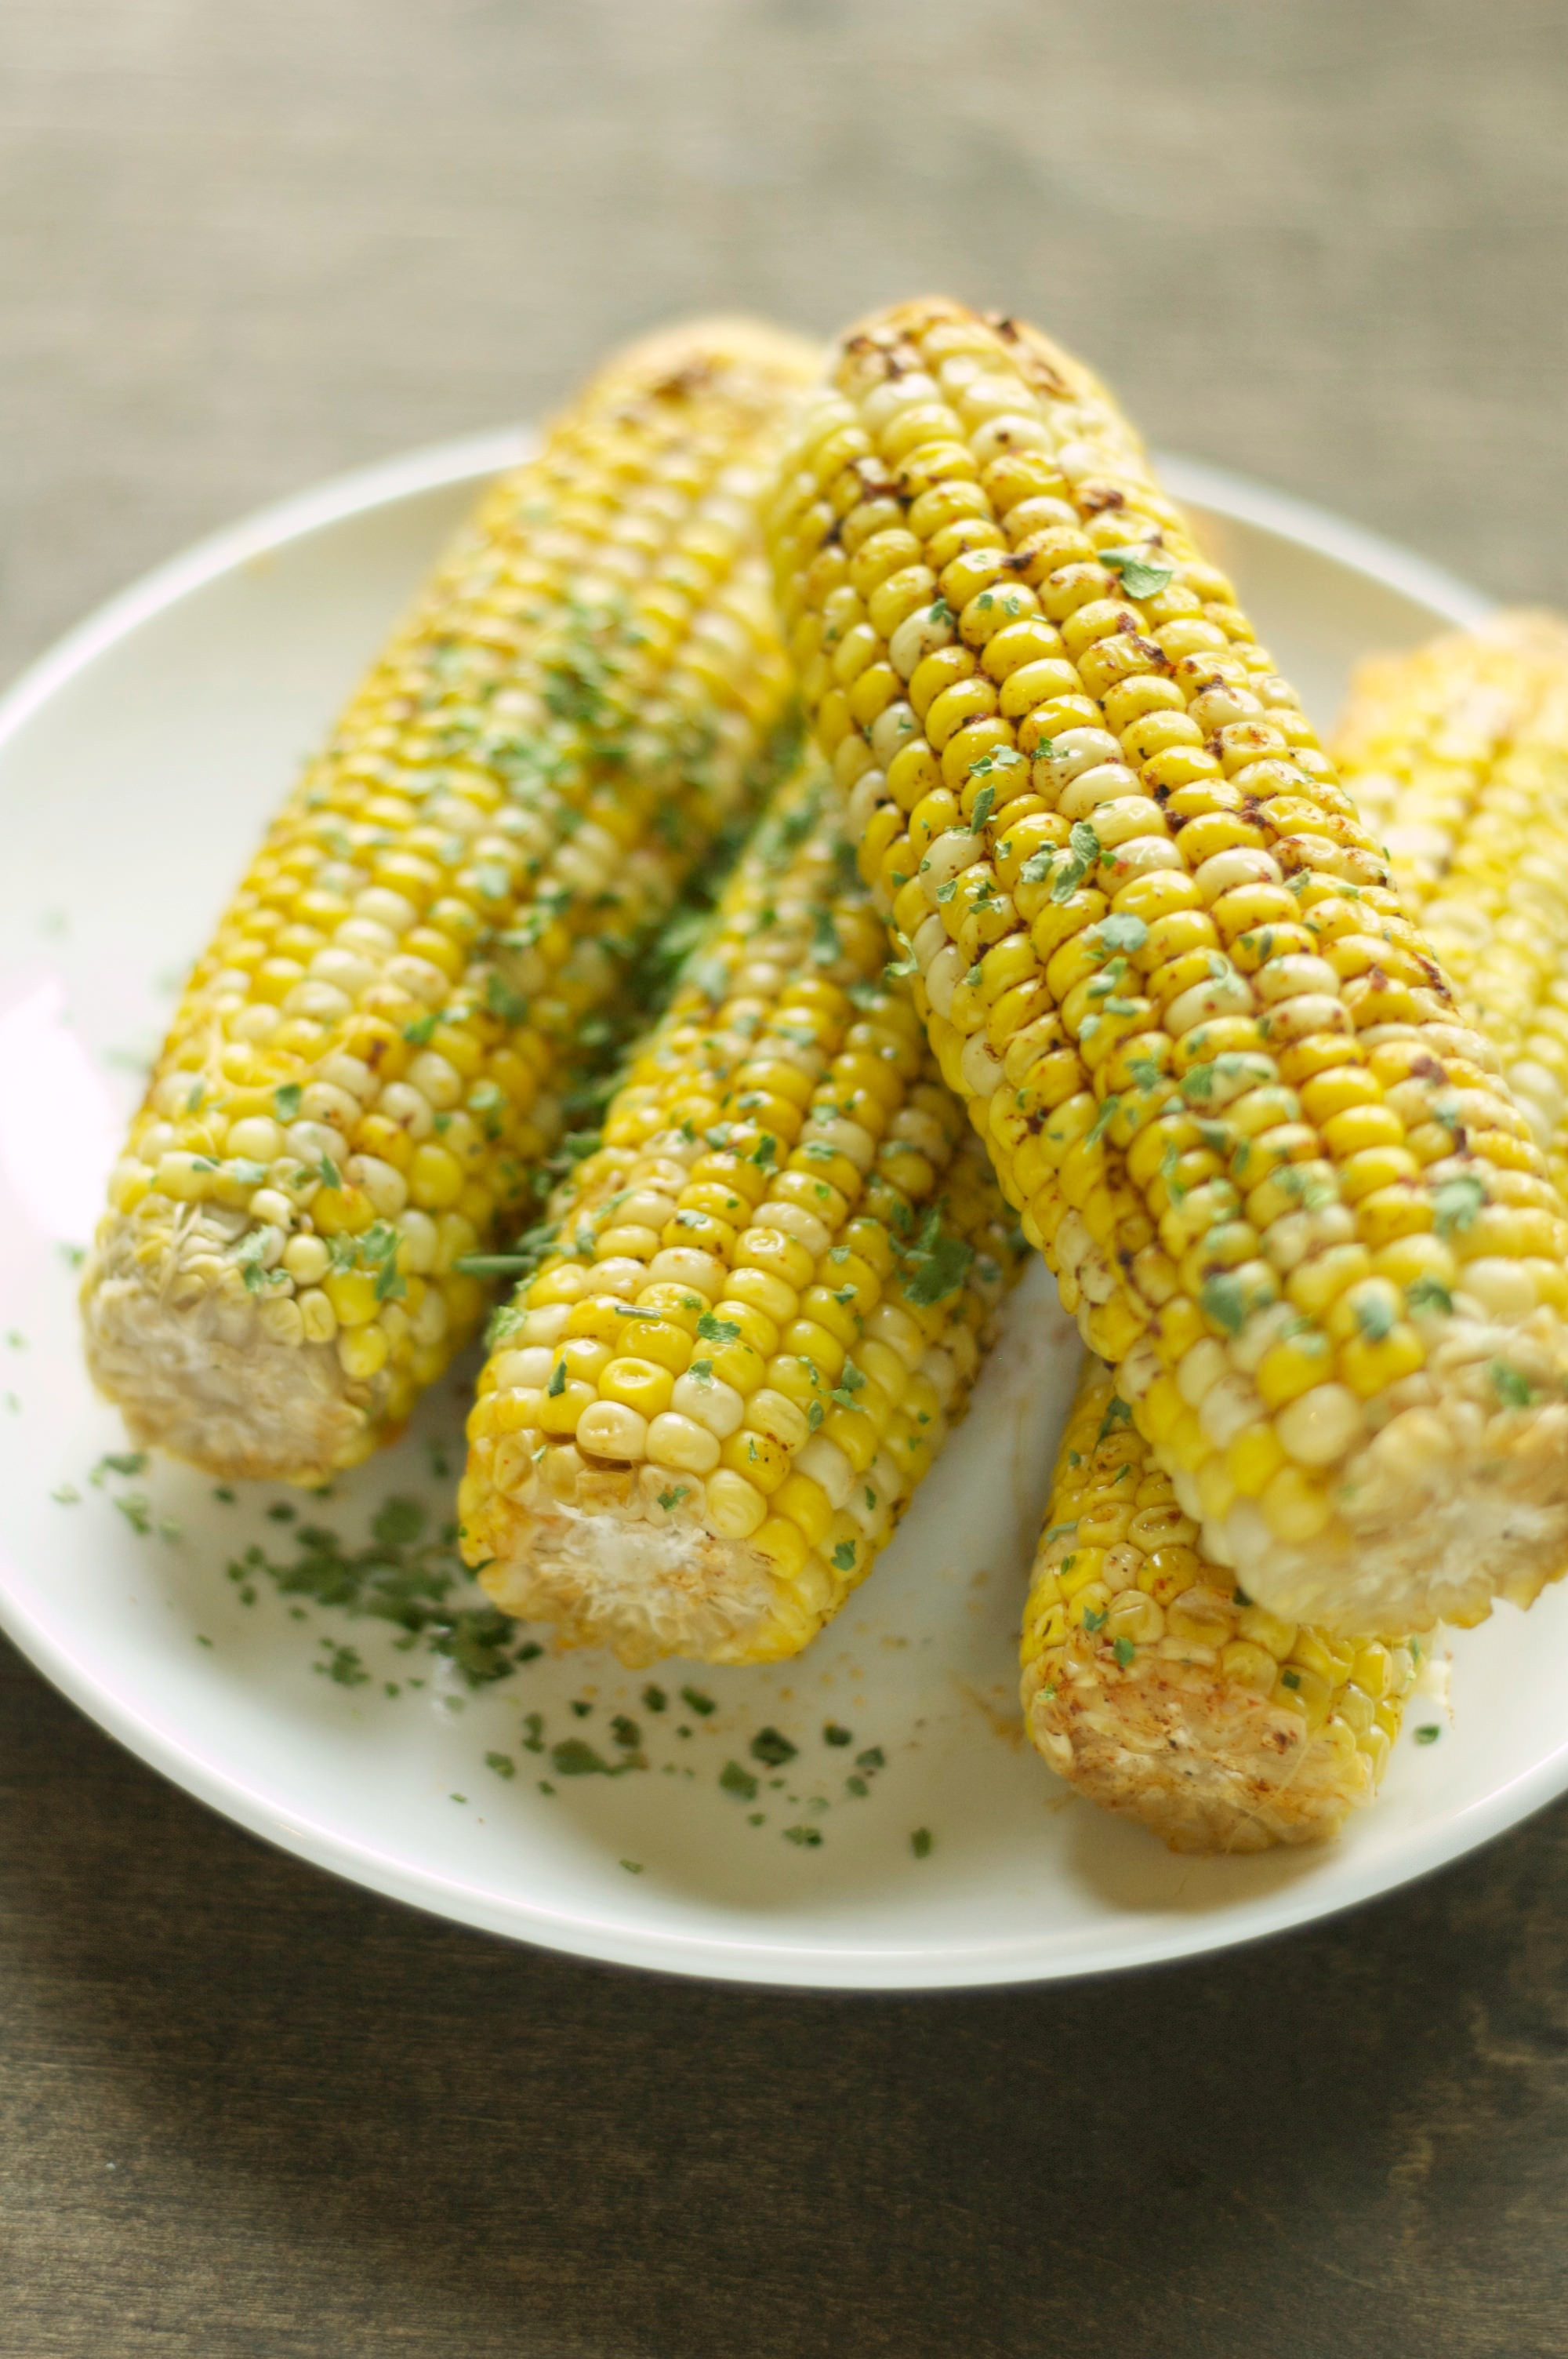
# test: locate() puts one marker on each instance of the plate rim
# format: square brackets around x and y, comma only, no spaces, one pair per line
[775,1961]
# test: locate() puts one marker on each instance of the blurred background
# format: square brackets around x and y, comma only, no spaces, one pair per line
[246,242]
[243,242]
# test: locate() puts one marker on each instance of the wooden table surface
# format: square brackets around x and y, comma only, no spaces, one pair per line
[246,2110]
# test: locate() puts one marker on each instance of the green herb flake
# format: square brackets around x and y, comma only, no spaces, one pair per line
[738,1781]
[1457,1204]
[703,1705]
[1224,1300]
[501,1763]
[807,1838]
[1375,1318]
[654,1700]
[1514,1390]
[1428,1733]
[772,1748]
[920,1842]
[1144,572]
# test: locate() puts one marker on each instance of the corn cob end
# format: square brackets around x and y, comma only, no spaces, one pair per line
[1159,1691]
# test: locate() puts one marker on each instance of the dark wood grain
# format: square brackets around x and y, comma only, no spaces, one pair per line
[246,2113]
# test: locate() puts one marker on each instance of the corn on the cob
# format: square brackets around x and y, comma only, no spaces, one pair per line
[1217,1067]
[765,1298]
[367,1063]
[1457,757]
[1157,1689]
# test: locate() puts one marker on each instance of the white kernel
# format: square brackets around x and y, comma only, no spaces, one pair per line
[344,969]
[1319,1426]
[309,1141]
[431,1317]
[317,1316]
[828,1467]
[319,1003]
[980,1067]
[408,1107]
[438,1082]
[420,977]
[1201,1367]
[717,1406]
[306,1259]
[257,1138]
[271,1205]
[323,1103]
[381,907]
[943,976]
[530,1367]
[610,1430]
[383,1183]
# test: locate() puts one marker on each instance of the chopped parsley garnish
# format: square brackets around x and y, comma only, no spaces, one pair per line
[833,1735]
[1457,1202]
[738,1781]
[772,1748]
[1514,1390]
[703,1705]
[1143,572]
[920,1842]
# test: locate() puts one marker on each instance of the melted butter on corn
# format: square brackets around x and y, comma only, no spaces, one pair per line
[767,1295]
[366,1064]
[1280,1177]
[1158,1689]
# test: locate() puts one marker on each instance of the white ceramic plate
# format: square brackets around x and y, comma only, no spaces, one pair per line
[138,765]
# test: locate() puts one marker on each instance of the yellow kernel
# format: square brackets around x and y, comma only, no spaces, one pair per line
[783,1546]
[1370,1367]
[362,1351]
[637,1383]
[435,1178]
[560,1406]
[736,1508]
[351,1293]
[306,1259]
[808,1505]
[1295,1508]
[1256,1457]
[320,1319]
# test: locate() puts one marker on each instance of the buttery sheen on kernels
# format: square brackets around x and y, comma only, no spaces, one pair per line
[763,1298]
[365,1068]
[1280,1177]
[1160,1690]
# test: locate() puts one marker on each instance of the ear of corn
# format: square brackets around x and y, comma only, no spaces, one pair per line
[1157,1688]
[1457,757]
[1280,1177]
[761,1300]
[367,1064]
